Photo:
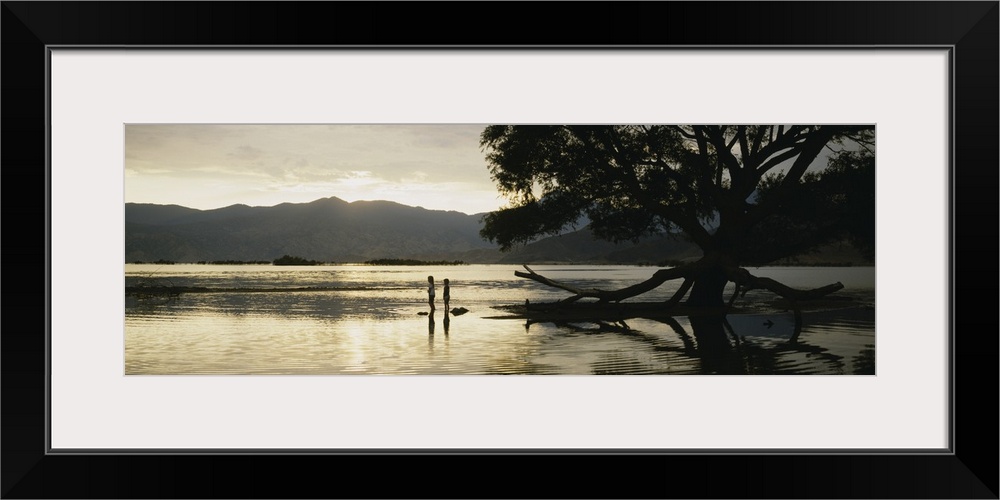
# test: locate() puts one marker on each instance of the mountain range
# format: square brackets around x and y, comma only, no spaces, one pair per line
[333,230]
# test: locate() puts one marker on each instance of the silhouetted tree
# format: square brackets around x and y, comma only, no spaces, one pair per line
[746,195]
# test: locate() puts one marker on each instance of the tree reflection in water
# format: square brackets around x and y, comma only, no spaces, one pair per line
[720,350]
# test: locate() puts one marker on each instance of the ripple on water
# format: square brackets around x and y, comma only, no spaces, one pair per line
[378,331]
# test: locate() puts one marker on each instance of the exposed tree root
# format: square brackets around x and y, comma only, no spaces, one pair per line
[658,278]
[680,293]
[741,277]
[744,279]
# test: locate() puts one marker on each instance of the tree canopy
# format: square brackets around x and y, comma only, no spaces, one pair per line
[745,194]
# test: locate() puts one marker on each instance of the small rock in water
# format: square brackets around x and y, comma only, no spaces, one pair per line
[458,311]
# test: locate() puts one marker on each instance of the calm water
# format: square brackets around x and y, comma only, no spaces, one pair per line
[365,320]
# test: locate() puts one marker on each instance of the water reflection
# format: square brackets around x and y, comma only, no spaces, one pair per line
[363,321]
[719,348]
[864,362]
[430,330]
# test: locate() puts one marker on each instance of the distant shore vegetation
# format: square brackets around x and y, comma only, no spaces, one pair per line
[413,262]
[234,262]
[291,260]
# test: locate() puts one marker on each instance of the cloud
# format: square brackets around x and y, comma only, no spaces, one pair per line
[331,160]
[247,153]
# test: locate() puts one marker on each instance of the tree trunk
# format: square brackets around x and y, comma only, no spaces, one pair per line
[708,288]
[714,349]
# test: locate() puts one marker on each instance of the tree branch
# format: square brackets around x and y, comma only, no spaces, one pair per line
[631,177]
[704,156]
[756,144]
[685,133]
[658,278]
[683,183]
[775,161]
[724,154]
[688,223]
[784,140]
[680,293]
[809,151]
[745,280]
[744,146]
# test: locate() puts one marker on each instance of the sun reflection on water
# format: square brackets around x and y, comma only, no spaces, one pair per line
[357,322]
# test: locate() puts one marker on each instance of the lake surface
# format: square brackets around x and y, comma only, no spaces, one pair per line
[365,320]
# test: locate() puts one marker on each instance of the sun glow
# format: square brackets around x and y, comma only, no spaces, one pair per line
[210,166]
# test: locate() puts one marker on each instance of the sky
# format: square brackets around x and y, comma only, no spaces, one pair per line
[438,167]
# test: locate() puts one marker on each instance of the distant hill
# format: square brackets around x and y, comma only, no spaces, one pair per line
[333,230]
[833,254]
[328,229]
[582,247]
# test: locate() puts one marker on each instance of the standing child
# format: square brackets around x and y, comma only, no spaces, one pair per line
[447,294]
[430,291]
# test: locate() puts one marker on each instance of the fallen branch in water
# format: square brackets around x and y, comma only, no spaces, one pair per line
[690,273]
[658,278]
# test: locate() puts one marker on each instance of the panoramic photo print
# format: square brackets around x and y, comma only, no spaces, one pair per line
[435,249]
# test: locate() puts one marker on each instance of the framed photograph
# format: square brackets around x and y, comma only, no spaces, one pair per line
[163,112]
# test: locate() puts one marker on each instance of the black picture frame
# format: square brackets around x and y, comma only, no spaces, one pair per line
[969,28]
